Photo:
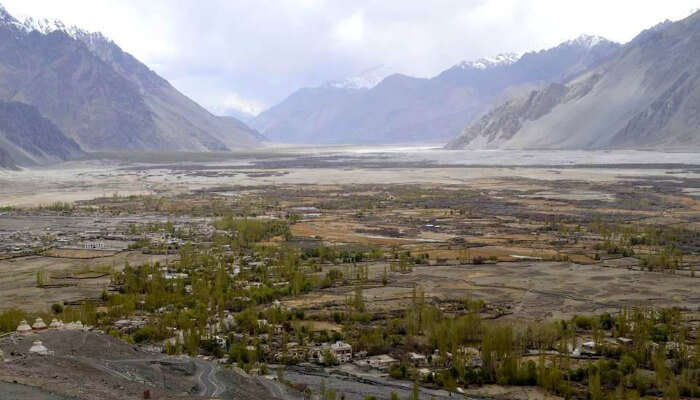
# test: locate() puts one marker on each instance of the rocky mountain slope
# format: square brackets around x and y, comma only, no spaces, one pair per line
[402,109]
[647,97]
[27,138]
[101,96]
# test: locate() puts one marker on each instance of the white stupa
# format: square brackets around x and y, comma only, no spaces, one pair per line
[77,325]
[39,324]
[39,348]
[24,328]
[56,324]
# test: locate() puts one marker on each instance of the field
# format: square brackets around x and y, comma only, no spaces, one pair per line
[70,280]
[522,291]
[354,246]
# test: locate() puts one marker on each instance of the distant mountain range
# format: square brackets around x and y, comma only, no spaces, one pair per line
[401,109]
[100,96]
[366,79]
[65,91]
[645,97]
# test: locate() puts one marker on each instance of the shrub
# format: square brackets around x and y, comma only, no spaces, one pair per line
[10,319]
[57,308]
[148,334]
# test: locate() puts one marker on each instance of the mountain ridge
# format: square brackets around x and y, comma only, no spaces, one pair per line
[28,138]
[647,97]
[401,109]
[103,97]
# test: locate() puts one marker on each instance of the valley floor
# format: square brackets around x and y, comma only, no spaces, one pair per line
[517,239]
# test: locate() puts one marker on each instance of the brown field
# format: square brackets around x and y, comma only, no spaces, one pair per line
[523,290]
[18,278]
[79,253]
[531,226]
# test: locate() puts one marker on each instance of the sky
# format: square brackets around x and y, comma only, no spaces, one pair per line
[247,55]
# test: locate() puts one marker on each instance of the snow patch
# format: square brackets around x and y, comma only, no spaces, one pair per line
[46,26]
[366,79]
[490,62]
[586,41]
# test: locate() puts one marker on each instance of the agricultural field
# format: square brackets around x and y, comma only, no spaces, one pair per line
[339,276]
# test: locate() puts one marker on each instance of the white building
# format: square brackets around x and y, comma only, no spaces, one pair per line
[174,275]
[94,245]
[341,351]
[586,349]
[382,361]
[417,359]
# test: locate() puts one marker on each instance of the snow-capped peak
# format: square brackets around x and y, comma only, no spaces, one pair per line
[490,62]
[4,15]
[587,41]
[46,26]
[366,79]
[43,25]
[7,19]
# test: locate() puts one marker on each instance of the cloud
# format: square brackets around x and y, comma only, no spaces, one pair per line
[236,102]
[251,54]
[351,29]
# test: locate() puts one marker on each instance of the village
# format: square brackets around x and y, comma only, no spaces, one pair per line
[450,291]
[262,346]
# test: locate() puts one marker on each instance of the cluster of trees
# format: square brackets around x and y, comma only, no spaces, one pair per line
[659,361]
[247,232]
[57,206]
[342,254]
[658,247]
[211,287]
[10,319]
[668,258]
[658,336]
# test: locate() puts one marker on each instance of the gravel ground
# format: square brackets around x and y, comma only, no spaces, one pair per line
[14,391]
[93,366]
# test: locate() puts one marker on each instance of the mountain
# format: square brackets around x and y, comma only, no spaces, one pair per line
[27,138]
[366,79]
[240,115]
[646,97]
[102,97]
[400,108]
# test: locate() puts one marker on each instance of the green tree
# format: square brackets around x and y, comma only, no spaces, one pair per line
[594,389]
[358,302]
[415,393]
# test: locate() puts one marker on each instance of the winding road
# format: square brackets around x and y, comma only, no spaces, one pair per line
[207,379]
[205,376]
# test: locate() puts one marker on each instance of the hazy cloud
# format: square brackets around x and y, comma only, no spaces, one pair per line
[248,55]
